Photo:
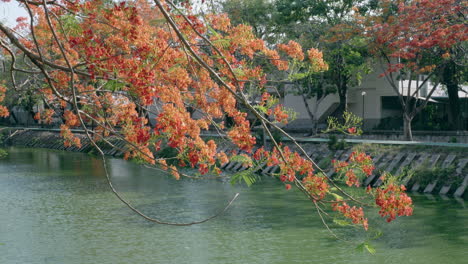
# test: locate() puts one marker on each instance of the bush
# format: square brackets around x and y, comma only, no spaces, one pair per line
[277,136]
[3,153]
[425,176]
[336,144]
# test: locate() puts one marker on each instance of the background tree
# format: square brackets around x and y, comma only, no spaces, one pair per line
[309,83]
[259,14]
[21,96]
[417,42]
[333,27]
[454,74]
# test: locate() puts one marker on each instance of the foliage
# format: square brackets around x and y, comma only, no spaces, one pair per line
[425,175]
[366,246]
[336,144]
[3,153]
[390,123]
[169,154]
[334,26]
[431,119]
[255,13]
[351,125]
[246,176]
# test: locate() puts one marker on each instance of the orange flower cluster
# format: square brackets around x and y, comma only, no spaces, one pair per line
[71,120]
[293,49]
[279,114]
[45,116]
[240,133]
[316,185]
[219,21]
[293,166]
[316,59]
[3,110]
[354,213]
[393,201]
[358,161]
[364,161]
[275,59]
[68,138]
[265,98]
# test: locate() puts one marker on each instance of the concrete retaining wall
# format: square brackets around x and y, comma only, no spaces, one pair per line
[388,160]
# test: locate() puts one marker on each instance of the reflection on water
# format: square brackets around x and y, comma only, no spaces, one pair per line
[56,208]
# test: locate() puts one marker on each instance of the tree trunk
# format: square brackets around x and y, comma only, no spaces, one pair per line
[343,106]
[454,107]
[451,82]
[311,115]
[450,79]
[407,127]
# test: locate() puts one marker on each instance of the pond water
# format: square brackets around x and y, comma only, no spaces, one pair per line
[57,208]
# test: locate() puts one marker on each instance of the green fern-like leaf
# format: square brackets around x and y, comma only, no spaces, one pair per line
[224,43]
[241,158]
[366,246]
[247,176]
[341,222]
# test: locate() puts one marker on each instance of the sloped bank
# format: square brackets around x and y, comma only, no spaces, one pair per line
[428,169]
[51,139]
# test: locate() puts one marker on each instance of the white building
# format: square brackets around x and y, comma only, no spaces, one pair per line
[373,100]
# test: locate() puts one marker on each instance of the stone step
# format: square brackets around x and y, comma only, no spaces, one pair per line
[406,162]
[448,160]
[390,167]
[432,161]
[384,161]
[461,190]
[416,164]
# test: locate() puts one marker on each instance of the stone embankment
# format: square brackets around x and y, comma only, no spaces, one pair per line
[51,139]
[413,163]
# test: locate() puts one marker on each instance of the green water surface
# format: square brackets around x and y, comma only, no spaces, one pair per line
[55,207]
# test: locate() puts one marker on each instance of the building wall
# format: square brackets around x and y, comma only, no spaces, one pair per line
[297,104]
[374,88]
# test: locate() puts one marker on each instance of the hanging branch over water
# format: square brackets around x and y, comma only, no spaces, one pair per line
[109,64]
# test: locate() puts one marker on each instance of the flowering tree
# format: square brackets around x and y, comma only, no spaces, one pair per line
[106,63]
[333,26]
[417,42]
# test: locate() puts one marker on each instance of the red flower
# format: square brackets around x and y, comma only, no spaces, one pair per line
[288,186]
[393,201]
[352,130]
